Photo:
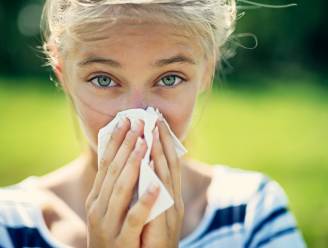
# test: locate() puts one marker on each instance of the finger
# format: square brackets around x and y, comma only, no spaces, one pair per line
[171,156]
[160,163]
[111,148]
[151,165]
[174,166]
[157,228]
[138,214]
[124,187]
[114,142]
[116,166]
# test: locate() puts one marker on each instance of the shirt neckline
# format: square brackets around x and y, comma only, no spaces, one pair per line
[46,234]
[41,225]
[207,216]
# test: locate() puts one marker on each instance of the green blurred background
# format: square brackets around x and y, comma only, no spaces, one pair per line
[268,111]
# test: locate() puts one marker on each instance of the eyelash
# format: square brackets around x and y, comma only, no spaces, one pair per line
[105,87]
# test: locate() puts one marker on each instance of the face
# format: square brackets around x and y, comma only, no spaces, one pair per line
[135,66]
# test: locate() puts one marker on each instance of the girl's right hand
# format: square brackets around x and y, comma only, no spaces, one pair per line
[109,221]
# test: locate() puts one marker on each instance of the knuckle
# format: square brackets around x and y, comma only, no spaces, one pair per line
[145,201]
[114,138]
[88,203]
[104,162]
[119,189]
[93,216]
[181,206]
[161,157]
[135,155]
[180,209]
[176,162]
[166,179]
[181,215]
[133,220]
[128,141]
[156,147]
[120,242]
[105,231]
[114,169]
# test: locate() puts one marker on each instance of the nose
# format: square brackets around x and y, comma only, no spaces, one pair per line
[137,99]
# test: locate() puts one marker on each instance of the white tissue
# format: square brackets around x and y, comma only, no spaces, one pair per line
[146,174]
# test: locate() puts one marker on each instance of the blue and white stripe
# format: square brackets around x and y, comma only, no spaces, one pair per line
[245,210]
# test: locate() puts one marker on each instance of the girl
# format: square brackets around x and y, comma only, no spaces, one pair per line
[110,56]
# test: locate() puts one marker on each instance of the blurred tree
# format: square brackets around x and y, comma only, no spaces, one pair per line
[18,47]
[295,35]
[291,40]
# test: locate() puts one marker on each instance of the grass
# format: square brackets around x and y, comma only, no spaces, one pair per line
[281,131]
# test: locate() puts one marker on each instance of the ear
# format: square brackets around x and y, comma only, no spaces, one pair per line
[58,70]
[57,67]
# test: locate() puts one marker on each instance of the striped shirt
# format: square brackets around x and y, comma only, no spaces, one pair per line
[245,209]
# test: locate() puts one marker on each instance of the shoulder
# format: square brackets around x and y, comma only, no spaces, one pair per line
[16,213]
[20,202]
[261,205]
[20,217]
[17,204]
[236,186]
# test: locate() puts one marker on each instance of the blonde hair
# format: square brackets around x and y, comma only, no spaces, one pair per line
[212,21]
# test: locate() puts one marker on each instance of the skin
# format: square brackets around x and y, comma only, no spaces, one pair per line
[137,84]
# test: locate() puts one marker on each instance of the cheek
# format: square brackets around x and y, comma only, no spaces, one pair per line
[178,117]
[177,110]
[91,120]
[178,114]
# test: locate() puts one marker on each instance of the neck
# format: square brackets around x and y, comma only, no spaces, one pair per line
[80,174]
[190,186]
[188,171]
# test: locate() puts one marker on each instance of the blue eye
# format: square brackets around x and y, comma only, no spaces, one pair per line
[170,80]
[101,81]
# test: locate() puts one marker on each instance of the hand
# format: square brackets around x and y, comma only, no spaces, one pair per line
[110,222]
[164,231]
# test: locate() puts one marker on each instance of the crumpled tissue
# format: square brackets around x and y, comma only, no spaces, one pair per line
[146,174]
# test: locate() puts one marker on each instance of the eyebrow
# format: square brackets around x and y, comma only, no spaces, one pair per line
[179,58]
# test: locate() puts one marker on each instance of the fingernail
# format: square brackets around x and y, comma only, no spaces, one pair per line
[136,125]
[152,188]
[152,164]
[121,122]
[156,132]
[161,118]
[139,143]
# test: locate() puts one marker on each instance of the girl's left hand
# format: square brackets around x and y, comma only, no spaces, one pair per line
[164,231]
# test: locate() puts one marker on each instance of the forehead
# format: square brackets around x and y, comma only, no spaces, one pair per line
[146,39]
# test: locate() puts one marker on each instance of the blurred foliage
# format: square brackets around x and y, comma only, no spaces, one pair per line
[276,122]
[291,40]
[281,131]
